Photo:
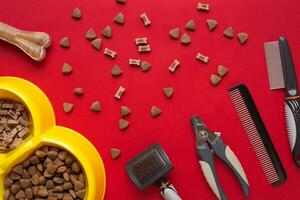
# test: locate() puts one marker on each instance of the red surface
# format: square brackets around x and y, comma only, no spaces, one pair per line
[262,20]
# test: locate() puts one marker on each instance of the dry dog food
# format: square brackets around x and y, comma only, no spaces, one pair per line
[228,32]
[125,111]
[65,42]
[120,92]
[90,34]
[203,6]
[145,19]
[133,61]
[215,79]
[141,41]
[68,107]
[14,125]
[222,70]
[174,65]
[119,18]
[96,43]
[190,25]
[107,32]
[76,13]
[110,53]
[155,111]
[243,37]
[185,39]
[211,24]
[174,33]
[168,91]
[66,69]
[145,66]
[123,124]
[49,173]
[96,106]
[115,153]
[121,1]
[202,57]
[78,91]
[116,70]
[144,48]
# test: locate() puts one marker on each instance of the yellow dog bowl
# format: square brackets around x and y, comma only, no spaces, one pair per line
[44,131]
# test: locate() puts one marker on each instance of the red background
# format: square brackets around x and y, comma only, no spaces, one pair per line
[262,20]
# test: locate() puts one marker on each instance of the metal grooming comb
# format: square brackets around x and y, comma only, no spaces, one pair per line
[151,166]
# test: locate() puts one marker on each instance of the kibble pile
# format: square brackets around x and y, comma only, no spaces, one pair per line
[14,125]
[50,173]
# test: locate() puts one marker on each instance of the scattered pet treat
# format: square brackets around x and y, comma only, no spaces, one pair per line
[90,34]
[125,111]
[119,18]
[49,173]
[155,111]
[115,153]
[243,37]
[228,32]
[110,53]
[120,92]
[14,125]
[68,107]
[145,19]
[65,42]
[66,69]
[190,25]
[107,32]
[116,70]
[141,41]
[212,24]
[222,70]
[203,6]
[174,65]
[144,48]
[76,13]
[78,91]
[202,57]
[174,33]
[168,91]
[121,1]
[96,106]
[96,43]
[136,62]
[185,39]
[145,66]
[215,79]
[123,124]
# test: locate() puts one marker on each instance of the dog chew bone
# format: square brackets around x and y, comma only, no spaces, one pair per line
[110,53]
[120,92]
[32,43]
[202,57]
[136,62]
[145,19]
[174,65]
[142,40]
[203,6]
[144,48]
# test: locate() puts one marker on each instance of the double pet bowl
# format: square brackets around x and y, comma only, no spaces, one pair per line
[44,131]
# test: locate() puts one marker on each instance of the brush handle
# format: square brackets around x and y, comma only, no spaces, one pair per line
[32,43]
[292,112]
[168,192]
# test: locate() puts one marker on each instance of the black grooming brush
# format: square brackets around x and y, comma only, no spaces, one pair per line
[151,166]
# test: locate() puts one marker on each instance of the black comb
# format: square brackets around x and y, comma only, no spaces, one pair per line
[257,134]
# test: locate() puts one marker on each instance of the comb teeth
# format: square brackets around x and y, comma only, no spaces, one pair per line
[257,134]
[253,136]
[291,124]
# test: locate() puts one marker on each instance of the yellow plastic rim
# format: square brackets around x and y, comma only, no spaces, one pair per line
[45,132]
